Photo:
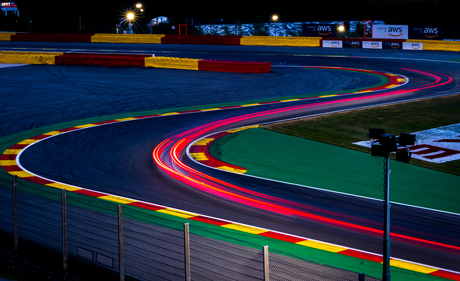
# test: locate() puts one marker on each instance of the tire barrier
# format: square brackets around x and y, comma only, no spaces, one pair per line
[176,63]
[201,39]
[234,66]
[101,59]
[52,37]
[28,57]
[127,38]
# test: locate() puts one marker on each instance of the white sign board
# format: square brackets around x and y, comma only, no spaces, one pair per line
[390,31]
[372,45]
[436,145]
[332,44]
[412,46]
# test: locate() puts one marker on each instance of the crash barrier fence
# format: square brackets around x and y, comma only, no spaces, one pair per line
[133,60]
[409,44]
[143,244]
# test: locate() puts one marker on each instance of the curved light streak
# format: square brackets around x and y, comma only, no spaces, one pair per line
[167,155]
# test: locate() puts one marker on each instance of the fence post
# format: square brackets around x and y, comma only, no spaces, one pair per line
[64,230]
[187,251]
[362,276]
[15,214]
[266,265]
[121,257]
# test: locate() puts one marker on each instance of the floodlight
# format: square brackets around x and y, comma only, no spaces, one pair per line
[406,139]
[130,16]
[375,133]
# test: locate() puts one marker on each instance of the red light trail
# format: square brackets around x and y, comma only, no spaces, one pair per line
[167,155]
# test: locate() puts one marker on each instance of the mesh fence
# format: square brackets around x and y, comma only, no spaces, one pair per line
[153,243]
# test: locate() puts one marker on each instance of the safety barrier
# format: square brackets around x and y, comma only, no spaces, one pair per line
[6,36]
[133,60]
[201,39]
[169,62]
[438,45]
[280,41]
[101,59]
[127,38]
[234,66]
[144,241]
[52,37]
[28,57]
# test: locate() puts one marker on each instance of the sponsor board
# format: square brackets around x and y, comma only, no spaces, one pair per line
[319,30]
[390,31]
[436,145]
[372,45]
[426,32]
[412,46]
[392,45]
[352,44]
[332,44]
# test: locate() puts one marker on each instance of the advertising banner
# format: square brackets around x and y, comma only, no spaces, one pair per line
[392,45]
[412,46]
[319,30]
[332,44]
[390,31]
[426,32]
[372,45]
[352,44]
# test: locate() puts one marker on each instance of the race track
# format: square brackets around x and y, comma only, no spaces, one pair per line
[117,158]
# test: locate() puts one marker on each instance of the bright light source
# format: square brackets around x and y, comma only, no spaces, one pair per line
[341,28]
[275,17]
[130,16]
[139,5]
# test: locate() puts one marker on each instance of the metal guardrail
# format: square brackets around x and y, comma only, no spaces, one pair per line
[142,244]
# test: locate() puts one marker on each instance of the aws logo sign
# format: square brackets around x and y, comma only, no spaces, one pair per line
[324,30]
[395,31]
[431,32]
[390,31]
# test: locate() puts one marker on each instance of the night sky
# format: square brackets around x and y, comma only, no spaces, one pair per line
[109,11]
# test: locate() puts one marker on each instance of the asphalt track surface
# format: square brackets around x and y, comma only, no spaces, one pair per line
[117,158]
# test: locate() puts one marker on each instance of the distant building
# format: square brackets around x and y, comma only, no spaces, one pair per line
[9,7]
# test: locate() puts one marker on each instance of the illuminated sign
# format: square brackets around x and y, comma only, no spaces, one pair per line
[390,31]
[319,30]
[426,32]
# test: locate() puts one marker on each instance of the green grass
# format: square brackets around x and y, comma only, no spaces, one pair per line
[343,129]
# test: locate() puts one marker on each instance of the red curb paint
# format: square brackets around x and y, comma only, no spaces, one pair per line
[283,237]
[146,206]
[89,193]
[362,255]
[446,274]
[209,220]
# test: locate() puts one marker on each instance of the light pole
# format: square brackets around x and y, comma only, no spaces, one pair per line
[275,18]
[382,145]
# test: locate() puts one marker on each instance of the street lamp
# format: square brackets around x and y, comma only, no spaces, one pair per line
[382,144]
[275,18]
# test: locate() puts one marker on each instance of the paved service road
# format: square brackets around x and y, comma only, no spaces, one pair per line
[117,158]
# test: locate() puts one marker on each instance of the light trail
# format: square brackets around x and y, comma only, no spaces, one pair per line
[167,155]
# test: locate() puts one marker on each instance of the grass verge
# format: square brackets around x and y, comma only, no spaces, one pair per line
[343,129]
